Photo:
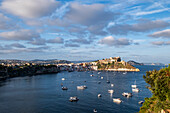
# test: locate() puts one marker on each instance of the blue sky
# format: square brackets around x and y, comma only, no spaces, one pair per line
[85,29]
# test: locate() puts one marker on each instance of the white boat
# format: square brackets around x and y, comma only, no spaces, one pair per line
[72,99]
[127,94]
[94,110]
[125,73]
[108,81]
[117,100]
[101,77]
[134,86]
[98,72]
[140,102]
[85,86]
[99,95]
[91,75]
[112,85]
[82,87]
[135,90]
[63,79]
[110,91]
[64,88]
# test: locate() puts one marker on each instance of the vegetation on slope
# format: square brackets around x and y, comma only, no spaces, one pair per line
[159,82]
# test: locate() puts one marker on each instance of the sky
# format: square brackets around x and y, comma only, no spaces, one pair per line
[76,30]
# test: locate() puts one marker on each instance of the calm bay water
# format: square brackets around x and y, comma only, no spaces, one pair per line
[43,93]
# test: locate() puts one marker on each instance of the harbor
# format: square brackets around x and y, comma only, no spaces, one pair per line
[44,93]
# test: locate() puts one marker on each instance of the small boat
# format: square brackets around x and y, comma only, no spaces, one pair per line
[82,87]
[125,73]
[134,86]
[108,81]
[91,75]
[140,102]
[99,82]
[112,85]
[135,90]
[63,79]
[127,94]
[73,99]
[110,91]
[98,72]
[61,84]
[99,95]
[94,110]
[101,77]
[117,100]
[85,87]
[64,88]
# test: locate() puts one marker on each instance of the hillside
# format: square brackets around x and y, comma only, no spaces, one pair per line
[159,84]
[131,62]
[114,64]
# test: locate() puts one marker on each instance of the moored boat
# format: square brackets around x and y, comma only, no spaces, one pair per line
[73,99]
[64,88]
[94,110]
[110,91]
[135,90]
[140,102]
[63,79]
[127,94]
[117,100]
[99,95]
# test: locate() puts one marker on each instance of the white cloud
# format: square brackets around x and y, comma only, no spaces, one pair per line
[29,8]
[151,12]
[163,34]
[23,34]
[111,41]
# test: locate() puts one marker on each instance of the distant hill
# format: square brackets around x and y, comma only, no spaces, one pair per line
[131,62]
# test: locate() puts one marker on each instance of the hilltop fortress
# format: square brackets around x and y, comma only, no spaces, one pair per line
[113,64]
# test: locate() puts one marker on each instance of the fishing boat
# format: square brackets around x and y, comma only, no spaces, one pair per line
[91,75]
[112,85]
[117,100]
[135,90]
[127,94]
[73,99]
[110,91]
[101,77]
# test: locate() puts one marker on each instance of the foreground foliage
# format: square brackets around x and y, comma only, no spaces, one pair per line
[159,82]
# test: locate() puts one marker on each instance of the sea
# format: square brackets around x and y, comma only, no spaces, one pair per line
[44,94]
